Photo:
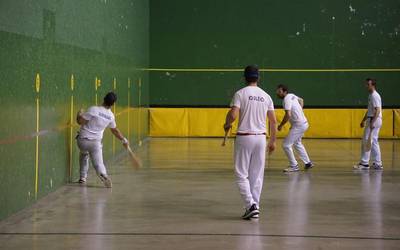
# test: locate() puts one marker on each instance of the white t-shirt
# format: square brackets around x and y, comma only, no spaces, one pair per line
[99,119]
[253,103]
[374,101]
[291,102]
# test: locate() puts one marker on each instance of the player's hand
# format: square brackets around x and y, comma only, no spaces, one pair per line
[271,147]
[125,142]
[227,127]
[280,127]
[362,124]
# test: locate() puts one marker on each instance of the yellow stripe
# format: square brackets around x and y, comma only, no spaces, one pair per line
[37,148]
[266,70]
[129,105]
[140,112]
[70,136]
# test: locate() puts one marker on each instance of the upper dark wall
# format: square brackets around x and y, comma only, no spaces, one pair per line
[274,34]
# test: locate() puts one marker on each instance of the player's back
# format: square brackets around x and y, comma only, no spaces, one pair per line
[99,118]
[254,104]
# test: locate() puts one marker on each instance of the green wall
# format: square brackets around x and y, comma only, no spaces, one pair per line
[55,39]
[309,34]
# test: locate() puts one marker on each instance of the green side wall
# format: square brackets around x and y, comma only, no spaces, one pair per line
[89,39]
[274,34]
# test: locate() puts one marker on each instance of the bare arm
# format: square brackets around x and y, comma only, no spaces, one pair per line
[231,117]
[272,124]
[285,119]
[117,133]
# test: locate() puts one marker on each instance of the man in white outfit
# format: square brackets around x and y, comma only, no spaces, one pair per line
[293,106]
[93,123]
[252,105]
[372,122]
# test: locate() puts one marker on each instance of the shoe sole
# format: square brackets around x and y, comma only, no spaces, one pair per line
[291,171]
[360,168]
[256,216]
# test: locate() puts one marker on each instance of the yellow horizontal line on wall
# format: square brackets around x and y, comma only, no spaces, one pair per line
[267,70]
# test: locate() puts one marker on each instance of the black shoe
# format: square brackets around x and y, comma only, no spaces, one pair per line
[252,211]
[309,165]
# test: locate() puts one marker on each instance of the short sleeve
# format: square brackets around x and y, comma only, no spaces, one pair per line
[287,104]
[88,114]
[376,103]
[112,124]
[270,106]
[236,100]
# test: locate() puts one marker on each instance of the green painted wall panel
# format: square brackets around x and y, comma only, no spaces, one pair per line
[273,34]
[89,39]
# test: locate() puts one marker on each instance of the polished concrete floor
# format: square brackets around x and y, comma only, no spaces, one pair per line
[185,198]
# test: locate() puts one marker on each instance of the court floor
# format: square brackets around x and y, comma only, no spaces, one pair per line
[185,197]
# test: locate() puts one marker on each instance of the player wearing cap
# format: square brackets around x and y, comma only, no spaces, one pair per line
[372,122]
[93,123]
[252,106]
[293,107]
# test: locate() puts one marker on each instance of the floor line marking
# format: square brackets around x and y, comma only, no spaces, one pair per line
[208,234]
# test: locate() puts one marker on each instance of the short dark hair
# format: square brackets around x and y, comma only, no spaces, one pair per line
[373,81]
[251,73]
[110,99]
[283,87]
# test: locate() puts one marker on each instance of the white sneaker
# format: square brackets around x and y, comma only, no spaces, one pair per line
[292,169]
[106,180]
[82,180]
[361,166]
[377,166]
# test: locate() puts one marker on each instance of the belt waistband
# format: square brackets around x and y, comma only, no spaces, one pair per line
[244,134]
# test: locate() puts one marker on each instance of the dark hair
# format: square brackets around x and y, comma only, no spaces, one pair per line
[373,81]
[251,73]
[110,99]
[283,87]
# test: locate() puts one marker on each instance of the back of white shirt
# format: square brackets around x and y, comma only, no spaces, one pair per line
[99,118]
[291,103]
[253,103]
[374,101]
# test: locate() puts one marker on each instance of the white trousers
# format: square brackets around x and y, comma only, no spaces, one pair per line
[293,139]
[249,167]
[92,149]
[375,152]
